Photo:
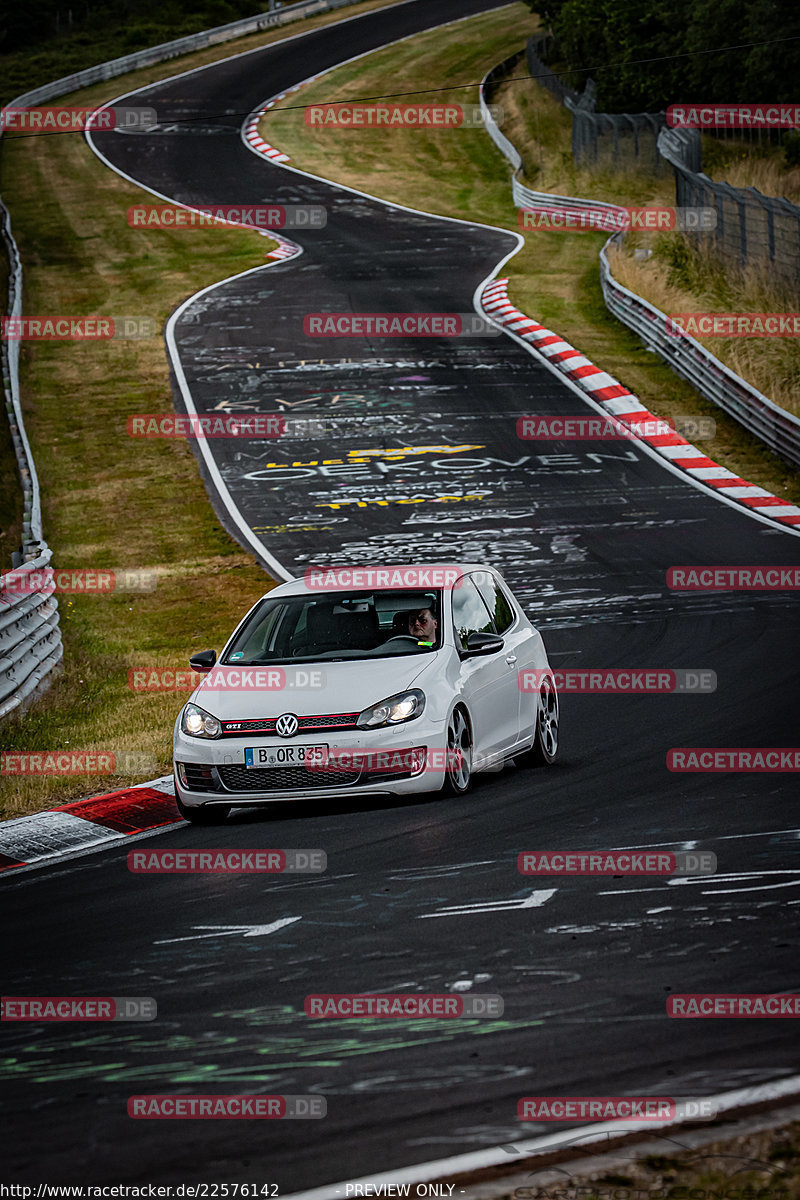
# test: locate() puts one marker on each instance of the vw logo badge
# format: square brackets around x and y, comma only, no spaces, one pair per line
[287,725]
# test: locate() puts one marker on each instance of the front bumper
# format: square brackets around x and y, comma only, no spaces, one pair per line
[214,772]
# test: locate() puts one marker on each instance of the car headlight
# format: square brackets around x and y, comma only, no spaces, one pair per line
[405,706]
[198,723]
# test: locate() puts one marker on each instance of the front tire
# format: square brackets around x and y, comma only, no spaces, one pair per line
[458,769]
[544,750]
[204,814]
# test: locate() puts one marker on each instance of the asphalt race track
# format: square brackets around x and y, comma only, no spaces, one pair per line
[422,896]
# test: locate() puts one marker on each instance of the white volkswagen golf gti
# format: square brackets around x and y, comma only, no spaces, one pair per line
[356,681]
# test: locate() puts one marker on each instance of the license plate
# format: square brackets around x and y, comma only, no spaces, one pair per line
[263,757]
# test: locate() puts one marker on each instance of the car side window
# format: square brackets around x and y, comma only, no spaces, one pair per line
[470,614]
[498,606]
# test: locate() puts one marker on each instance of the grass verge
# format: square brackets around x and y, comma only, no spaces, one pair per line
[678,280]
[756,1166]
[108,501]
[461,173]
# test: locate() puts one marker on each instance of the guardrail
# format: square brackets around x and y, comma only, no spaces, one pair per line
[777,428]
[525,197]
[30,635]
[501,71]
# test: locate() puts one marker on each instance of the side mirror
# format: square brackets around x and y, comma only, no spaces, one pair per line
[204,661]
[484,643]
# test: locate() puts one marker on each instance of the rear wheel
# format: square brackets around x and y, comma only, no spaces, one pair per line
[544,750]
[458,770]
[205,814]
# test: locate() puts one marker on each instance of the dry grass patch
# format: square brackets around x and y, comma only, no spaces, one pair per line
[742,163]
[772,365]
[541,129]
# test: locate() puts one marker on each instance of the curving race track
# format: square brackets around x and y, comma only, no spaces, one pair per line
[585,533]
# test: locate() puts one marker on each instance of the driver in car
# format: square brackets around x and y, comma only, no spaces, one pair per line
[422,625]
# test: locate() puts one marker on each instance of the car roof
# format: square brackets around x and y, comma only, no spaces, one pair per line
[318,581]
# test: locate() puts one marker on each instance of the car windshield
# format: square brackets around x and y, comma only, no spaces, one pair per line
[339,627]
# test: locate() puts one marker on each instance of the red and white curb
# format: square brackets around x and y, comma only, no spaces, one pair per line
[285,250]
[255,140]
[250,128]
[624,406]
[87,824]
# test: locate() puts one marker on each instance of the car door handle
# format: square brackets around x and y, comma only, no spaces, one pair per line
[511,659]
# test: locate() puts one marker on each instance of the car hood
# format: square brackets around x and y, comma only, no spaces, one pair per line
[332,687]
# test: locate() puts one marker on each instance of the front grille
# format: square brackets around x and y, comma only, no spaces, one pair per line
[332,721]
[267,724]
[283,779]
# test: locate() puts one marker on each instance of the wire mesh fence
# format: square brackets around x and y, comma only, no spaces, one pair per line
[752,229]
[536,51]
[600,141]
